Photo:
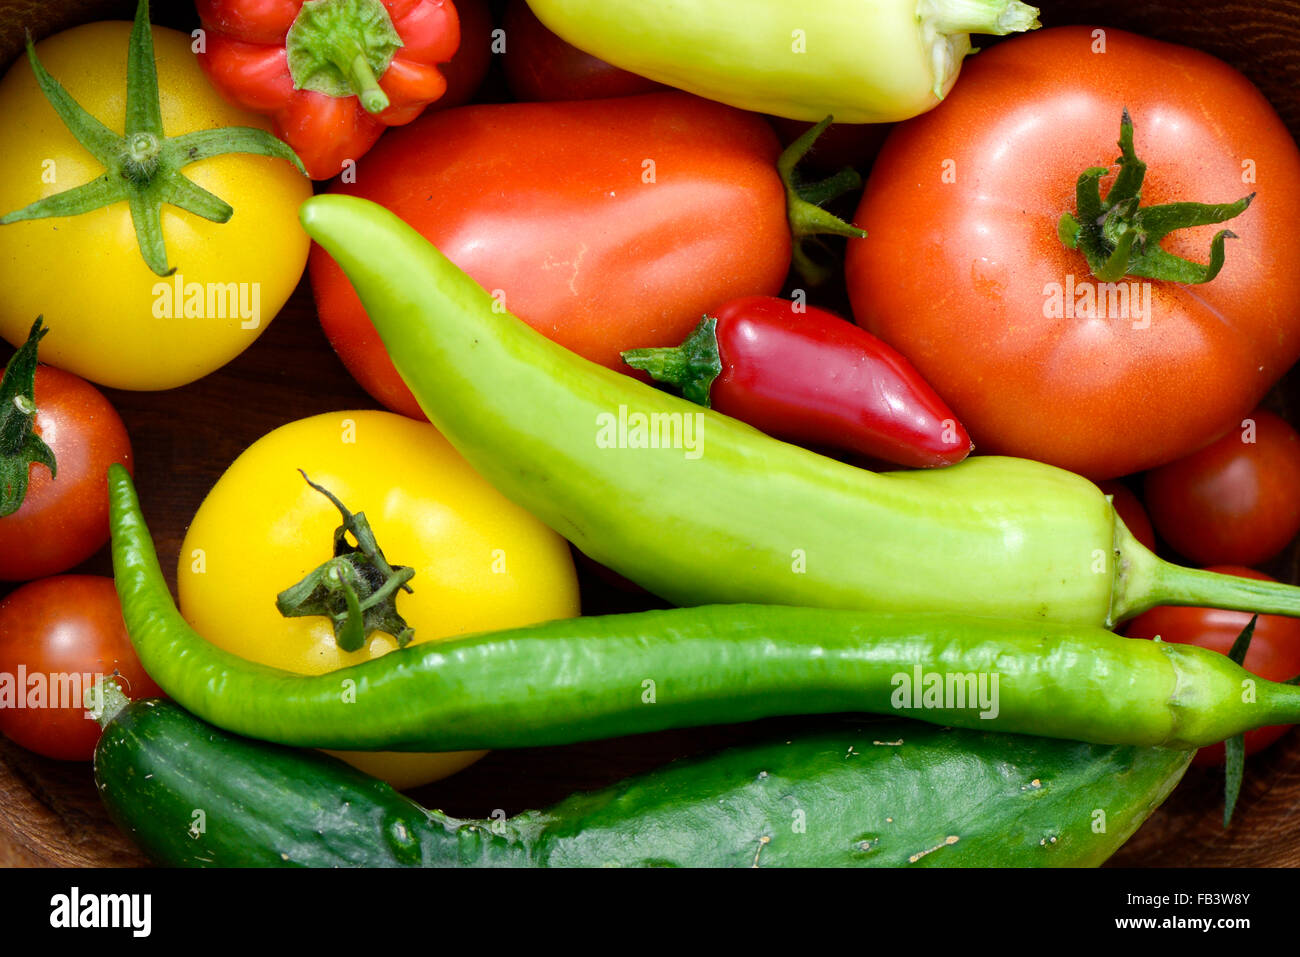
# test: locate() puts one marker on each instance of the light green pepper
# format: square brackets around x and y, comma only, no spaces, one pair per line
[700,508]
[863,61]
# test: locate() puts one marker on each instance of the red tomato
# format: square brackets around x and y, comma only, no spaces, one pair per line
[541,66]
[1237,500]
[604,224]
[64,520]
[962,262]
[1274,651]
[465,71]
[56,635]
[1131,512]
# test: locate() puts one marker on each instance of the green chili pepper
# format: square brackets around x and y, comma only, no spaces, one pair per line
[700,508]
[874,62]
[599,677]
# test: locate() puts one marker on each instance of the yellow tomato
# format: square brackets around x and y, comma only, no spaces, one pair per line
[481,563]
[112,320]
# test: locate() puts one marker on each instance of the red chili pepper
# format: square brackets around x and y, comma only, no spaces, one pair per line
[332,74]
[805,375]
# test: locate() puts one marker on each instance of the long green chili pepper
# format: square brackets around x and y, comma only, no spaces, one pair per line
[599,677]
[699,508]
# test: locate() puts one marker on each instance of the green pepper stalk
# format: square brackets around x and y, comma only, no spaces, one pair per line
[876,62]
[600,677]
[20,446]
[143,166]
[712,510]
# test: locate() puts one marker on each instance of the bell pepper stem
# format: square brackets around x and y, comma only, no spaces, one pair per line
[372,98]
[341,48]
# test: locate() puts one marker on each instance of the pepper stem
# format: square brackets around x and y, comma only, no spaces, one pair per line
[1119,237]
[356,589]
[992,17]
[341,47]
[20,446]
[804,202]
[690,368]
[1144,581]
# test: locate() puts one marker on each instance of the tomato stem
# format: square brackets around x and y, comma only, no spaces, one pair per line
[1119,237]
[142,167]
[20,446]
[356,588]
[804,202]
[340,47]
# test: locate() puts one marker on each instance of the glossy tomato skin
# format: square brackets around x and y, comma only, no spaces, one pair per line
[1237,500]
[604,224]
[541,66]
[1274,651]
[64,520]
[69,624]
[112,320]
[962,253]
[481,563]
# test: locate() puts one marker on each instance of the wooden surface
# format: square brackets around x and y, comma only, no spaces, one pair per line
[49,812]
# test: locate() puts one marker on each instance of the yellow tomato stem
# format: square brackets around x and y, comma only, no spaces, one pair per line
[142,168]
[356,589]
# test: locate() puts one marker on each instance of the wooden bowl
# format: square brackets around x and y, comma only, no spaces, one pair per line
[49,812]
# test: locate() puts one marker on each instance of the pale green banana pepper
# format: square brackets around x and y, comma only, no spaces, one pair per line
[700,508]
[862,61]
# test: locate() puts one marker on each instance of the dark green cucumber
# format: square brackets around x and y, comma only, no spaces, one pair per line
[884,793]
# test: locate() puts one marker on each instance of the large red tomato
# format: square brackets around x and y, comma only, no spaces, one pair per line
[604,224]
[962,268]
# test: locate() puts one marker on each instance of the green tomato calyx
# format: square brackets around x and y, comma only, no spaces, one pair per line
[142,167]
[356,589]
[20,446]
[804,202]
[1120,237]
[340,47]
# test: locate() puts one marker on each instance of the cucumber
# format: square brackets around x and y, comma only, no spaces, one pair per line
[884,794]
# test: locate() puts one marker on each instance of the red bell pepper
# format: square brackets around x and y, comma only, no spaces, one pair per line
[805,375]
[332,74]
